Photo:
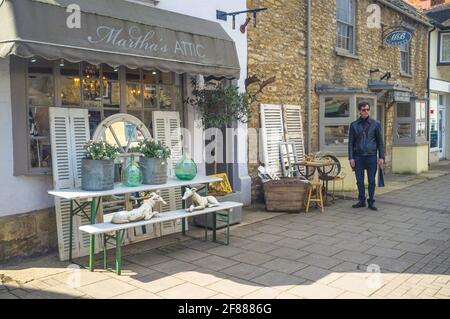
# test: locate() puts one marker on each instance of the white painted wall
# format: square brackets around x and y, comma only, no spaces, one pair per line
[437,72]
[17,194]
[206,9]
[440,84]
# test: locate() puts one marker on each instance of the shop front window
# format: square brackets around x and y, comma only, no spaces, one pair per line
[434,128]
[111,87]
[338,106]
[404,131]
[410,122]
[91,86]
[70,84]
[97,88]
[336,114]
[134,93]
[40,97]
[336,135]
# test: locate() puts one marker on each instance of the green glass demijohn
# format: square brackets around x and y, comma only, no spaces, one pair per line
[132,175]
[185,169]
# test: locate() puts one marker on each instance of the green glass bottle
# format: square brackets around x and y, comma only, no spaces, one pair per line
[132,175]
[185,169]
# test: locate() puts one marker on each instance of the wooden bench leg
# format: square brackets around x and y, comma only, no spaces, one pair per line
[206,227]
[105,262]
[119,239]
[228,225]
[92,237]
[214,222]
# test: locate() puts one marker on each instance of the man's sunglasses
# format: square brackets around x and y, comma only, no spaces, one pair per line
[364,110]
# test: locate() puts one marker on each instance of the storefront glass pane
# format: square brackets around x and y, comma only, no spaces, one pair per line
[40,152]
[150,96]
[95,117]
[70,84]
[403,110]
[38,121]
[40,82]
[166,78]
[111,87]
[338,106]
[336,135]
[134,91]
[165,94]
[420,110]
[420,129]
[404,130]
[91,85]
[434,120]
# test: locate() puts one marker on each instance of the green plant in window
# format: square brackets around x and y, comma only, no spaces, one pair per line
[100,151]
[151,148]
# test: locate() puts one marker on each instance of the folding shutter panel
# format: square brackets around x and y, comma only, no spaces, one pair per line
[166,128]
[294,129]
[272,135]
[61,148]
[69,131]
[80,134]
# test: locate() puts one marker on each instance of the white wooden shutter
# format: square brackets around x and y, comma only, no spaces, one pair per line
[293,127]
[69,131]
[61,148]
[166,128]
[272,134]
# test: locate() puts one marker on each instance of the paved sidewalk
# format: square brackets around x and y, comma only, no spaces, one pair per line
[332,255]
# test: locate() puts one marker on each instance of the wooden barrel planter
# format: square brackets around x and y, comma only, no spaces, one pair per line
[285,195]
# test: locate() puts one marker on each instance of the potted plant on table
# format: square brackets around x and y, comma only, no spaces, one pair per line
[97,168]
[153,161]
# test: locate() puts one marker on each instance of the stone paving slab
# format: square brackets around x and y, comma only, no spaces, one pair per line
[314,255]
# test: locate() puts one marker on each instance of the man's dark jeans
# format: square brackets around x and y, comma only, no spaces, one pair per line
[368,163]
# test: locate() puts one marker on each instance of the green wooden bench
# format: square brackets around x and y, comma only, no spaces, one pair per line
[116,232]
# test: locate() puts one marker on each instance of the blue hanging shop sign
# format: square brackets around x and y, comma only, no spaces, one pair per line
[398,38]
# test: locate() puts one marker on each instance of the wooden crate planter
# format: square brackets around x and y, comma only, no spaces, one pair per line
[286,194]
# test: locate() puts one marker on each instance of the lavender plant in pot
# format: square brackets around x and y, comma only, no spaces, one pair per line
[97,168]
[153,162]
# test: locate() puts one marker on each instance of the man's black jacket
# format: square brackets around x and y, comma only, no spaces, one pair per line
[365,138]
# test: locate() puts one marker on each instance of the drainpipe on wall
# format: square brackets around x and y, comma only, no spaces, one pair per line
[428,92]
[308,71]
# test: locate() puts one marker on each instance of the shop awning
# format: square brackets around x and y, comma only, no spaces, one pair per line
[117,32]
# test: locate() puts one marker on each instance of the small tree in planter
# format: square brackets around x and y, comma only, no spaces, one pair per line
[153,161]
[97,170]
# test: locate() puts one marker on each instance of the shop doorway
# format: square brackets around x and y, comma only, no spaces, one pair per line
[441,131]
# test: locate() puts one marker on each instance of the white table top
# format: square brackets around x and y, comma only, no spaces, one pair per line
[119,188]
[176,214]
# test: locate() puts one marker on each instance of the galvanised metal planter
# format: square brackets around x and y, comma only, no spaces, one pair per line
[97,175]
[154,170]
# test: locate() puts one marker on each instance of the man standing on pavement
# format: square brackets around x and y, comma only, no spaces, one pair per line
[364,142]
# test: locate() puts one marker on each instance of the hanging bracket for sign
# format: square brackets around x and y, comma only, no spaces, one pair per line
[221,15]
[395,36]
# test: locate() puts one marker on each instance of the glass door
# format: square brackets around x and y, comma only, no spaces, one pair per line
[441,132]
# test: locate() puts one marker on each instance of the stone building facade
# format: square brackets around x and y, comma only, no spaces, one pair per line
[278,47]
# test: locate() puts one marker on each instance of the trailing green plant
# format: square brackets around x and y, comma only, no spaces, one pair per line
[151,148]
[100,151]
